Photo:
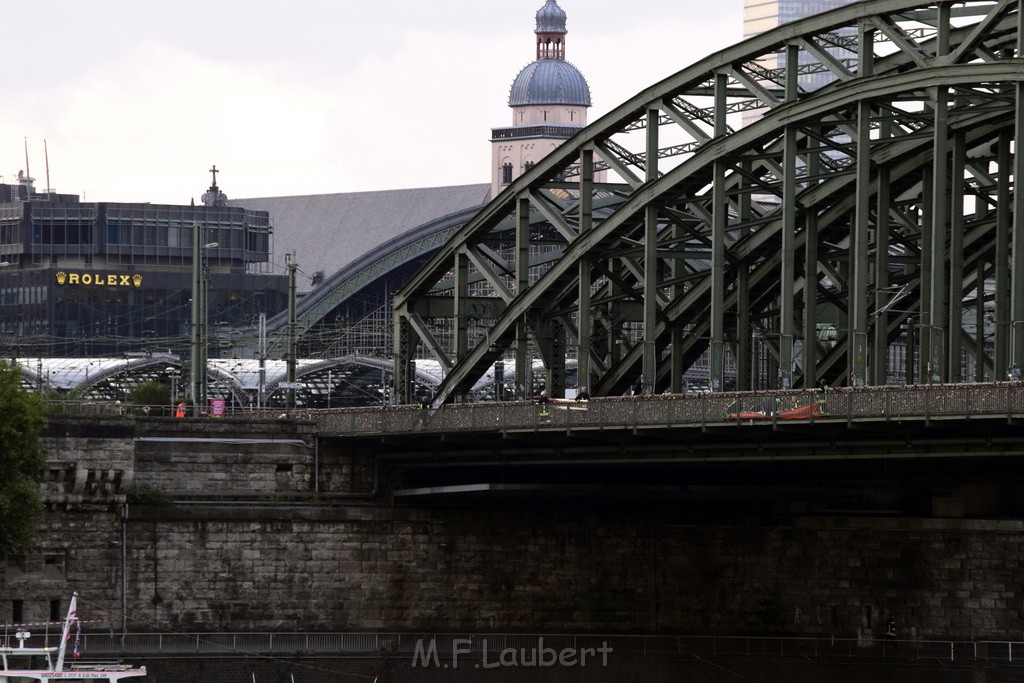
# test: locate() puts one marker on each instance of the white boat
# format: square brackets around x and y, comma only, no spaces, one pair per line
[20,664]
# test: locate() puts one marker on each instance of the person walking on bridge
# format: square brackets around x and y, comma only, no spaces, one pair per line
[542,405]
[890,633]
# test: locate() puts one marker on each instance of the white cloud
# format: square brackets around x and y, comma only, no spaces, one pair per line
[287,112]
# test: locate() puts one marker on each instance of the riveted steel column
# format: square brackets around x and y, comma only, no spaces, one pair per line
[956,260]
[586,319]
[461,303]
[403,345]
[857,315]
[787,275]
[677,266]
[551,343]
[524,377]
[744,344]
[810,351]
[859,285]
[939,227]
[883,294]
[1001,358]
[979,322]
[650,359]
[924,357]
[1017,268]
[787,305]
[614,327]
[719,222]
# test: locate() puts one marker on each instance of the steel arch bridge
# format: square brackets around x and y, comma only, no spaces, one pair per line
[873,199]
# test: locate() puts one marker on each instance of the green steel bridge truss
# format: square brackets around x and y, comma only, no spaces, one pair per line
[870,194]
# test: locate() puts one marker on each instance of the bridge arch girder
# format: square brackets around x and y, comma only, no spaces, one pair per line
[710,245]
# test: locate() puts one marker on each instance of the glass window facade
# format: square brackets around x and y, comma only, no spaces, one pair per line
[104,279]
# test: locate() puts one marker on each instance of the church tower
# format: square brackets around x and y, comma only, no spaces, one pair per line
[549,100]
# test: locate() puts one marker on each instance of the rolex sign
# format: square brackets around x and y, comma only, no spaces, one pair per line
[99,279]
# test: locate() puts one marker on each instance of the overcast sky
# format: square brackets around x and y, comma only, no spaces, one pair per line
[137,98]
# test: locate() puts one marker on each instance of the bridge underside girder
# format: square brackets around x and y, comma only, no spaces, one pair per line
[863,230]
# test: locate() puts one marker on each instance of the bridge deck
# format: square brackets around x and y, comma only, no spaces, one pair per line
[922,404]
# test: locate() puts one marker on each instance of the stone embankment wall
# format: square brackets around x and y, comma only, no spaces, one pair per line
[334,563]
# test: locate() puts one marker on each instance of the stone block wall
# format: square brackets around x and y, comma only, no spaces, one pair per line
[544,570]
[333,564]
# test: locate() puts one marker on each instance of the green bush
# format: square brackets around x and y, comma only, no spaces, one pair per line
[150,394]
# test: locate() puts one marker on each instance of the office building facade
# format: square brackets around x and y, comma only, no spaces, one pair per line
[104,278]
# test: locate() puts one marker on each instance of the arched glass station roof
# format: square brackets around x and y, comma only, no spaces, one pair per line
[348,381]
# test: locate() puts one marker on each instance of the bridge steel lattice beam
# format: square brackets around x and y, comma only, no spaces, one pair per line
[838,237]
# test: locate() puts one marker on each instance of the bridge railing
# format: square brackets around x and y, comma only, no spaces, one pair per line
[915,402]
[95,645]
[921,402]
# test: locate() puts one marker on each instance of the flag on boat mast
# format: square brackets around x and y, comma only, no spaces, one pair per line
[72,617]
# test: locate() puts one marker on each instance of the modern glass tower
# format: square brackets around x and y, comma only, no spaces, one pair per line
[763,15]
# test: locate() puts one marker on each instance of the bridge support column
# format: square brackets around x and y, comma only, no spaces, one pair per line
[936,230]
[955,314]
[719,224]
[811,277]
[1001,359]
[461,295]
[744,331]
[980,374]
[787,290]
[586,315]
[1017,269]
[551,341]
[403,346]
[884,296]
[859,285]
[524,370]
[650,360]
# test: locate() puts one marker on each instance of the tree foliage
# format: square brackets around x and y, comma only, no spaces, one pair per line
[150,394]
[21,460]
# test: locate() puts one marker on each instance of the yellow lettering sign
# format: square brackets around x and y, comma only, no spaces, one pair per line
[99,279]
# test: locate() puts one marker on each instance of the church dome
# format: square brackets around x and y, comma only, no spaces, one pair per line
[551,18]
[549,81]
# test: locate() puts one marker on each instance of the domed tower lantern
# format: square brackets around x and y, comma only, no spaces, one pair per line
[551,31]
[549,101]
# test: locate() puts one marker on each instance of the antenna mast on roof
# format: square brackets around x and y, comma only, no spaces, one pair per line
[46,155]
